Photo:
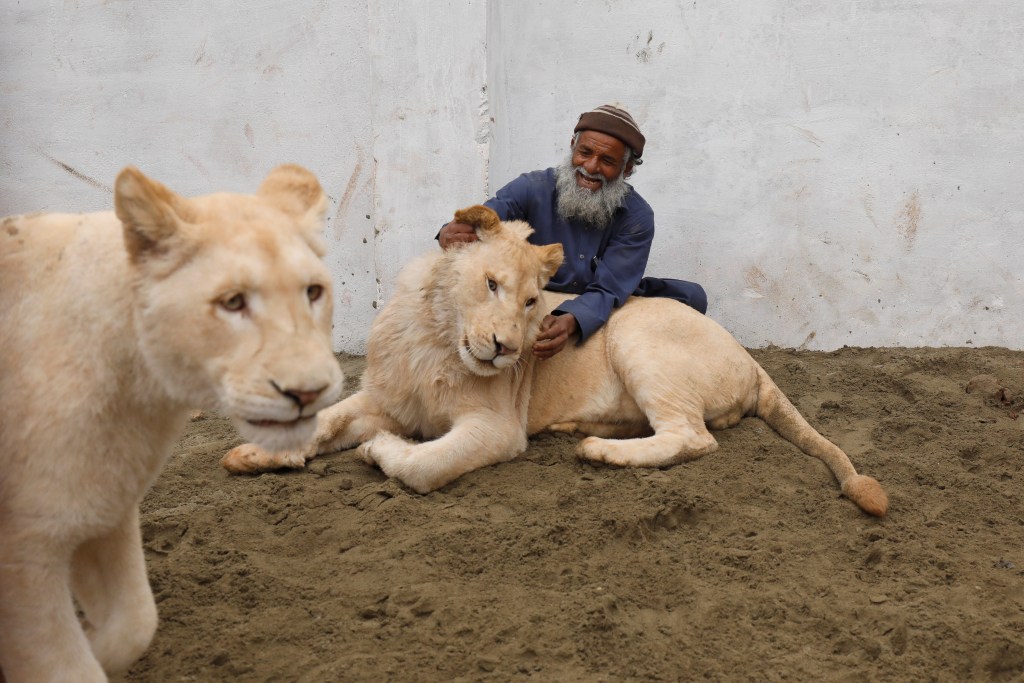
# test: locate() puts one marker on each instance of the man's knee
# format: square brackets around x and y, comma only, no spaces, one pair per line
[698,298]
[689,293]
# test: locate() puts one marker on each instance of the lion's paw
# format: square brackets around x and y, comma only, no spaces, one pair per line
[396,458]
[617,452]
[387,451]
[595,449]
[250,458]
[365,452]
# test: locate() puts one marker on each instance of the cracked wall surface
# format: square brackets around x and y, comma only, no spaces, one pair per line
[833,174]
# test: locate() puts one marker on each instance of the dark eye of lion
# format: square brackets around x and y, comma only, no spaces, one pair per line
[314,292]
[234,303]
[530,302]
[491,284]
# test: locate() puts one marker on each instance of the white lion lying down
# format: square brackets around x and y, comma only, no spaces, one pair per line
[114,326]
[449,361]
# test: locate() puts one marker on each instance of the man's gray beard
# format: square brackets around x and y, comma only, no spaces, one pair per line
[594,208]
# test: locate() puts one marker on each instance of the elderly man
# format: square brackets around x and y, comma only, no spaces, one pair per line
[605,227]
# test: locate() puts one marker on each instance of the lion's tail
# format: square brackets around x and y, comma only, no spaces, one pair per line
[781,415]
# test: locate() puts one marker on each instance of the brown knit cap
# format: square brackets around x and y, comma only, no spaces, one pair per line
[615,122]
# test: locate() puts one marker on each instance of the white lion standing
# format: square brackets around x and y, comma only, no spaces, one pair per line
[113,327]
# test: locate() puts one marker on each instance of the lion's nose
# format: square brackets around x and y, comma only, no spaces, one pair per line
[301,397]
[502,349]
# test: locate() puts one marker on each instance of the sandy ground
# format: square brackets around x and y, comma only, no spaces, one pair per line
[746,565]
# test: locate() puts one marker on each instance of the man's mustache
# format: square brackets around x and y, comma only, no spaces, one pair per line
[591,176]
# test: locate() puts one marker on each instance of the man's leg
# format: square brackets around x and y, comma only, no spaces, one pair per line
[689,293]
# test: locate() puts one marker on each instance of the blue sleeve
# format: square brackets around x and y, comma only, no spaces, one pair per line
[616,277]
[513,202]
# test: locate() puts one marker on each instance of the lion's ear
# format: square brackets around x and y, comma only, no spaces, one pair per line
[481,217]
[551,258]
[150,213]
[297,192]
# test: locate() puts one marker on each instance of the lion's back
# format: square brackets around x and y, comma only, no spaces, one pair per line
[647,339]
[40,252]
[64,306]
[57,269]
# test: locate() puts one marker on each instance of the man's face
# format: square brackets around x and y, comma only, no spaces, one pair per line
[600,156]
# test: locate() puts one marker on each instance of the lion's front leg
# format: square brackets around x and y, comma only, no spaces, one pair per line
[110,583]
[41,639]
[474,441]
[344,425]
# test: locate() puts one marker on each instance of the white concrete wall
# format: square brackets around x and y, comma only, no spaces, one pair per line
[833,173]
[201,95]
[430,122]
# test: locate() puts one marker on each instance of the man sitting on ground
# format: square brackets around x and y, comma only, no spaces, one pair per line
[603,224]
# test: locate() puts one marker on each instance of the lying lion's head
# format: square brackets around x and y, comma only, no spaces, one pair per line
[497,287]
[232,302]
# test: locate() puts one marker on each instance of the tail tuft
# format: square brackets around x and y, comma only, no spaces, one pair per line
[867,493]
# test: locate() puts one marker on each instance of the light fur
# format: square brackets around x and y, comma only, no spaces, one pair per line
[644,389]
[115,325]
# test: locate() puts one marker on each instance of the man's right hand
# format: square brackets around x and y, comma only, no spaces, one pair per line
[456,234]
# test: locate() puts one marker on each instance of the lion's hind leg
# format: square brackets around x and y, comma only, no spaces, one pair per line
[675,414]
[672,442]
[605,430]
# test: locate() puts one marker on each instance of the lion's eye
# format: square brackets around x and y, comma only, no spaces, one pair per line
[491,284]
[314,292]
[530,302]
[234,303]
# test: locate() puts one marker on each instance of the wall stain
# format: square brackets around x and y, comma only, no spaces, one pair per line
[201,58]
[76,173]
[811,137]
[807,340]
[346,197]
[249,135]
[198,165]
[867,200]
[645,53]
[909,218]
[756,281]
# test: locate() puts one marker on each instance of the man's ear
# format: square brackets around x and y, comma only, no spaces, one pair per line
[150,213]
[551,256]
[482,218]
[296,192]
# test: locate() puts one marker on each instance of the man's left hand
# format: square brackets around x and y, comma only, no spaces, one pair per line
[555,331]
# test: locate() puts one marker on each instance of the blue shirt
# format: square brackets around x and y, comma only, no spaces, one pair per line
[602,266]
